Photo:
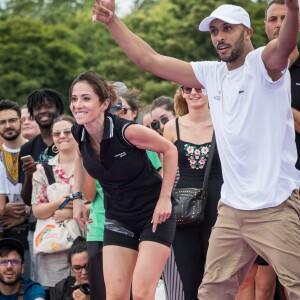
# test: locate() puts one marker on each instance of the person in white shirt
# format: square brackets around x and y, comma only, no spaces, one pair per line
[249,97]
[3,192]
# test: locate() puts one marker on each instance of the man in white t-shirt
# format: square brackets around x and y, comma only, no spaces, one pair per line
[3,193]
[14,221]
[249,96]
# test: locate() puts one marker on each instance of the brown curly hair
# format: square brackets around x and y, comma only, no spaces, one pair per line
[180,105]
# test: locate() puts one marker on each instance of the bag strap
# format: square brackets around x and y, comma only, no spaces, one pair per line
[177,128]
[209,162]
[49,172]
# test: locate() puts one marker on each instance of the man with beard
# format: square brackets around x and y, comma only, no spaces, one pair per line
[249,98]
[13,285]
[265,276]
[14,221]
[44,106]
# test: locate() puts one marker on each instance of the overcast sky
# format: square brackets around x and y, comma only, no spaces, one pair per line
[123,6]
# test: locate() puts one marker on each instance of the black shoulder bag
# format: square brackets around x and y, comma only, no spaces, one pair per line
[191,202]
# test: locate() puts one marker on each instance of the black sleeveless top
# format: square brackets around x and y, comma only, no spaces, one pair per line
[192,160]
[131,185]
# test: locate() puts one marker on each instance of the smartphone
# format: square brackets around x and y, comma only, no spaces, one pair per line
[17,198]
[26,158]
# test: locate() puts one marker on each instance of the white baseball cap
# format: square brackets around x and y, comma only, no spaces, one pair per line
[231,14]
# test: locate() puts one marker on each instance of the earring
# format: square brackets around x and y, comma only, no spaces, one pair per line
[54,149]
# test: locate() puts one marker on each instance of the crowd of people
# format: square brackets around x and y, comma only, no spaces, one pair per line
[86,199]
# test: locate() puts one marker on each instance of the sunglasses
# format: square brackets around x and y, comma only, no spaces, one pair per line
[188,90]
[78,268]
[156,124]
[124,111]
[14,262]
[66,132]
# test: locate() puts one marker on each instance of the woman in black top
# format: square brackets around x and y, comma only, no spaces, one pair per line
[139,226]
[191,133]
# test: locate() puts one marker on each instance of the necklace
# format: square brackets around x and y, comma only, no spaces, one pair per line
[10,161]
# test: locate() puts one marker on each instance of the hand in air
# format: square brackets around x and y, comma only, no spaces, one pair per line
[103,10]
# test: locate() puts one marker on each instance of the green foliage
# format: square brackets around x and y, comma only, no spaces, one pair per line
[35,55]
[47,43]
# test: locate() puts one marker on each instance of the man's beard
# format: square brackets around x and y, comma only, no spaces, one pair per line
[18,276]
[13,136]
[237,51]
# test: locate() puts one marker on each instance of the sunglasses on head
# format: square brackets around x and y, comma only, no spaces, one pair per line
[188,90]
[124,111]
[115,108]
[156,124]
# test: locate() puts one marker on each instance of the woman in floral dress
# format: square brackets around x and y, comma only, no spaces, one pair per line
[192,133]
[53,267]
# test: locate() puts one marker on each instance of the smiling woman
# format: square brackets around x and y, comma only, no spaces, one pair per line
[47,197]
[139,224]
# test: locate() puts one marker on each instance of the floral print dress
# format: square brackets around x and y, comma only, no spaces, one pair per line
[52,267]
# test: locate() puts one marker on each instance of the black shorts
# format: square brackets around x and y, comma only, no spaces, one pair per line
[261,261]
[130,234]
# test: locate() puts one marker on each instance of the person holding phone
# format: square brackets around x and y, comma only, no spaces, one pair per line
[75,286]
[15,218]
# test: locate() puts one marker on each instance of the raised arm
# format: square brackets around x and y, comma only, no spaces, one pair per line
[276,53]
[140,52]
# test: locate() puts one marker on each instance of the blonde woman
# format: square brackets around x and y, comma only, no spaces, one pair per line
[191,133]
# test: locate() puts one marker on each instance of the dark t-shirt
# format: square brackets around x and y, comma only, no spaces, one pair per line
[31,290]
[130,183]
[295,88]
[39,151]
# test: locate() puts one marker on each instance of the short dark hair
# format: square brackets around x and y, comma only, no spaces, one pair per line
[39,96]
[8,245]
[132,98]
[79,245]
[163,101]
[7,104]
[271,2]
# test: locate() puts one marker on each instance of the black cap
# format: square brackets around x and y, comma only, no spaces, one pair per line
[13,243]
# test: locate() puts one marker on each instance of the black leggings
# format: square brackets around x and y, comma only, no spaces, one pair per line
[95,271]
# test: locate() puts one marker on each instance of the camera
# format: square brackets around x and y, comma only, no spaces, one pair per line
[85,288]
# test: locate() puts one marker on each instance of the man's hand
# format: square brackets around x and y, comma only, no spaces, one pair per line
[8,222]
[29,167]
[292,4]
[14,210]
[103,10]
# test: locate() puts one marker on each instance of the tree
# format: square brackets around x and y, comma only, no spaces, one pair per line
[49,42]
[35,55]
